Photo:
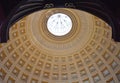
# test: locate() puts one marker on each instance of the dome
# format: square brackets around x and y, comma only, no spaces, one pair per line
[84,54]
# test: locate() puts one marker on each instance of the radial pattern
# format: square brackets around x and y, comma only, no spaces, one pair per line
[87,54]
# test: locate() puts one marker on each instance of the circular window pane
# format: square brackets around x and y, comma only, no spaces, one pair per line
[59,24]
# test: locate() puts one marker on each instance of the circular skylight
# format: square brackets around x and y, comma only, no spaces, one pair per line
[59,24]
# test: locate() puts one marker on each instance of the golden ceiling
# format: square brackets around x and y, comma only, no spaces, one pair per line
[85,55]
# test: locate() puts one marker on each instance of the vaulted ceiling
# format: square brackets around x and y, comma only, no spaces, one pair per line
[88,54]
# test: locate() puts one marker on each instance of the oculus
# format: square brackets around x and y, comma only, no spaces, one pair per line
[59,24]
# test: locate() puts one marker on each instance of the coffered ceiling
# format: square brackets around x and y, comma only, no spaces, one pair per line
[87,54]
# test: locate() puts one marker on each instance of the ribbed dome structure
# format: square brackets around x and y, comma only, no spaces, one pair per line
[87,54]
